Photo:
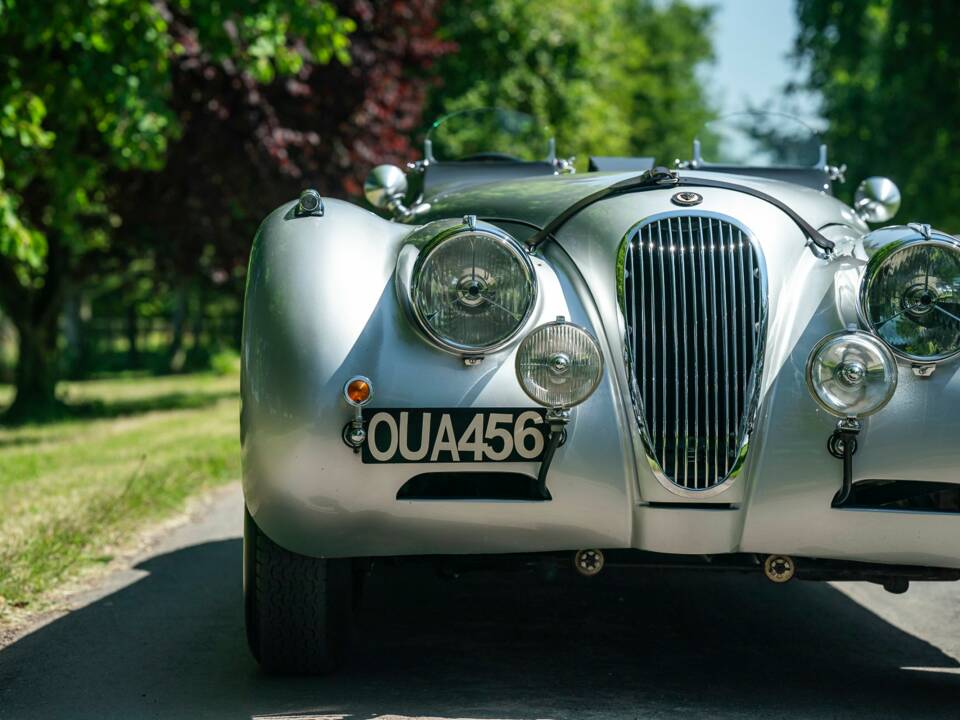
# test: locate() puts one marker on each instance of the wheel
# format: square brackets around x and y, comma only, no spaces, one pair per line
[298,609]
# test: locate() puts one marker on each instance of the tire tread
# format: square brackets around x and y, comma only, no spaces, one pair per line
[300,610]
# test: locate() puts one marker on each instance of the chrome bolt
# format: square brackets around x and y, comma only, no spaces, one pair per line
[779,568]
[852,373]
[588,562]
[560,363]
[356,436]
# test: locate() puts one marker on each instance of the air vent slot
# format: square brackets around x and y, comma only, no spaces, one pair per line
[473,486]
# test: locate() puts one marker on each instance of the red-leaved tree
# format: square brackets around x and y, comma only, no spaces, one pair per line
[248,146]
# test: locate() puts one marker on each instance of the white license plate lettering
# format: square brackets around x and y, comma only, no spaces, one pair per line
[499,436]
[421,452]
[446,440]
[528,440]
[472,440]
[382,455]
[454,436]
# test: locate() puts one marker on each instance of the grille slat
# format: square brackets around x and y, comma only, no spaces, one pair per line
[695,329]
[706,355]
[663,348]
[680,258]
[696,354]
[676,349]
[715,438]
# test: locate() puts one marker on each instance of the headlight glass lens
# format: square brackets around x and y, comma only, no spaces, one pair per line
[474,290]
[559,365]
[851,374]
[911,298]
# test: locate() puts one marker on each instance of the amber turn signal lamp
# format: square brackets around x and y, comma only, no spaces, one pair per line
[358,390]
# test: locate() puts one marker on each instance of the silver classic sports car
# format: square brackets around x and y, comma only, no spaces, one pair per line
[713,364]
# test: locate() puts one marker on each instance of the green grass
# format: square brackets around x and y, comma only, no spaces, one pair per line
[72,490]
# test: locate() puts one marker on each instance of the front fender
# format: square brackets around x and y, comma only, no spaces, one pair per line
[321,306]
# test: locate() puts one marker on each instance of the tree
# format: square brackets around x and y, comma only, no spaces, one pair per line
[887,72]
[85,91]
[615,77]
[247,146]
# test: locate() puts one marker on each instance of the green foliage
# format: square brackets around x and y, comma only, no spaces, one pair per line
[225,362]
[887,71]
[616,77]
[256,36]
[87,97]
[85,89]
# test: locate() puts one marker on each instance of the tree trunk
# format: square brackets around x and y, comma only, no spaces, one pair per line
[73,333]
[36,315]
[175,354]
[37,371]
[133,332]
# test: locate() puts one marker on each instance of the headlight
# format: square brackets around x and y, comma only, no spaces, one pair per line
[559,364]
[910,292]
[851,374]
[473,288]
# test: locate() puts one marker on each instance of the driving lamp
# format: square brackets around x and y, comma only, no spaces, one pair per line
[851,374]
[559,364]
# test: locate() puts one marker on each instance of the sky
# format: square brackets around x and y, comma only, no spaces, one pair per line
[753,40]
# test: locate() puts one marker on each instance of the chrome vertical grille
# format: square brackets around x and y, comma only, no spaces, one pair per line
[694,300]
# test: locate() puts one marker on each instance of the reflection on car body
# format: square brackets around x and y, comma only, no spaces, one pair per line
[714,363]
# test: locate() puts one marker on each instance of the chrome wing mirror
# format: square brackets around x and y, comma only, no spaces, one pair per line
[386,188]
[877,199]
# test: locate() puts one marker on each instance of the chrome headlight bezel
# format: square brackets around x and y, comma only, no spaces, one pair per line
[881,245]
[420,247]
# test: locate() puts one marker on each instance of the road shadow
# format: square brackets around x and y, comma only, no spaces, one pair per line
[625,644]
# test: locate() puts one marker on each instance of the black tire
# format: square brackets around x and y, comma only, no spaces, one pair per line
[298,609]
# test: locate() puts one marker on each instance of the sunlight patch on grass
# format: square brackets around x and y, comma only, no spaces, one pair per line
[71,490]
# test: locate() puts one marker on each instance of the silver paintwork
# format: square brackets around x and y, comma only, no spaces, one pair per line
[322,305]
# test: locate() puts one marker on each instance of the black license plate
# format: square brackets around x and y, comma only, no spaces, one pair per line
[425,435]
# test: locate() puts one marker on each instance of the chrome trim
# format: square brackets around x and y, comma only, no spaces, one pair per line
[752,272]
[925,236]
[593,388]
[411,259]
[808,374]
[309,203]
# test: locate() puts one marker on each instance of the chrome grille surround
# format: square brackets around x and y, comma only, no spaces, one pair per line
[694,364]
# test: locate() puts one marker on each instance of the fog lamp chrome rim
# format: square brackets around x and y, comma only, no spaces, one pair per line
[561,362]
[851,373]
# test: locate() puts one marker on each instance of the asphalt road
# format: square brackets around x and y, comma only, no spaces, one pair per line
[165,640]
